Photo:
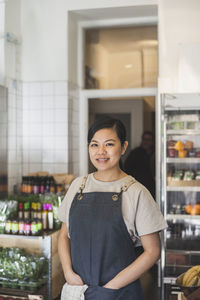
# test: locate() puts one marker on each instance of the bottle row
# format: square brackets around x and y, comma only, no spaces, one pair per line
[183,231]
[40,185]
[28,227]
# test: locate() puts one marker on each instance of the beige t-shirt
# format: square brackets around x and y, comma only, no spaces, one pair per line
[140,212]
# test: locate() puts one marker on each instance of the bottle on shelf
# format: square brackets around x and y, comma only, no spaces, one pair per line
[34,227]
[42,185]
[50,216]
[36,186]
[20,210]
[47,185]
[21,226]
[52,187]
[44,217]
[26,210]
[8,226]
[29,185]
[27,227]
[39,211]
[15,227]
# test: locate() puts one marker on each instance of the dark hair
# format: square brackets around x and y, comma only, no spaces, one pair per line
[107,122]
[148,133]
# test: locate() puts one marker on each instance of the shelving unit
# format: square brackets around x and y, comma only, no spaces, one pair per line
[186,160]
[45,245]
[180,242]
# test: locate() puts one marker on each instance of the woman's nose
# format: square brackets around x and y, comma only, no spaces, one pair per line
[102,149]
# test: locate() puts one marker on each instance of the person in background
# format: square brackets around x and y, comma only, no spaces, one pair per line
[140,162]
[105,215]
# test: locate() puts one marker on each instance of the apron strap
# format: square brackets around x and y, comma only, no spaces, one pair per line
[80,194]
[124,188]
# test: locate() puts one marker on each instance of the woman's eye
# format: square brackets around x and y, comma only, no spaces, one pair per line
[93,145]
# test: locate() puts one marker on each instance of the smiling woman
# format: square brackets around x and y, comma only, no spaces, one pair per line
[105,150]
[105,215]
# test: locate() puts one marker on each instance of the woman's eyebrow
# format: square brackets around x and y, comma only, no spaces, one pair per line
[113,140]
[109,140]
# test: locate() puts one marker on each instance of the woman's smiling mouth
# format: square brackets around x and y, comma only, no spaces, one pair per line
[102,160]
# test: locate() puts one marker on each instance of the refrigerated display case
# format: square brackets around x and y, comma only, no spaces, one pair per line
[180,187]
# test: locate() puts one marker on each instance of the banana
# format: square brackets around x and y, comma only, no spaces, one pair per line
[193,281]
[189,278]
[179,279]
[198,283]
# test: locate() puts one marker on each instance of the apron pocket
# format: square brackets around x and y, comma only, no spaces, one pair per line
[100,293]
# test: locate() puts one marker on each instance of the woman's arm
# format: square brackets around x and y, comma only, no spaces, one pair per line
[151,245]
[65,257]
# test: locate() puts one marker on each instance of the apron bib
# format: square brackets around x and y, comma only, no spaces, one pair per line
[100,244]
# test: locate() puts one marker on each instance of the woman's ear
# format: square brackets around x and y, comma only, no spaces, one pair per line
[124,147]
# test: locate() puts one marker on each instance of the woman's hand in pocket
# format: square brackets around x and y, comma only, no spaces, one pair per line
[73,279]
[109,285]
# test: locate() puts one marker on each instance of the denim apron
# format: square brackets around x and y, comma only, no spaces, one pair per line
[101,245]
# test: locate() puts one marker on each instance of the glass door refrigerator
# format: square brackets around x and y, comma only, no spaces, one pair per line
[180,188]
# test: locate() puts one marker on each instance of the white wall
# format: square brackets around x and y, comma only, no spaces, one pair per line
[13,29]
[179,23]
[44,33]
[44,29]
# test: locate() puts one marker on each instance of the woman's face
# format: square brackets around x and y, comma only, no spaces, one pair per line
[105,149]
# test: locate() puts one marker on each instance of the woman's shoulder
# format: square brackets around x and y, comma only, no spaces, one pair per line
[138,190]
[76,183]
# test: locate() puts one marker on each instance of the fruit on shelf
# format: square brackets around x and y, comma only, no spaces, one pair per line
[179,146]
[191,278]
[188,209]
[182,153]
[193,210]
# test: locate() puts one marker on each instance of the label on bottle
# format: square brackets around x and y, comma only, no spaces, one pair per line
[20,214]
[8,227]
[39,226]
[21,227]
[50,220]
[34,228]
[26,205]
[27,228]
[15,227]
[44,220]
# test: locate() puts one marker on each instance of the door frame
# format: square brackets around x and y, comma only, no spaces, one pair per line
[86,95]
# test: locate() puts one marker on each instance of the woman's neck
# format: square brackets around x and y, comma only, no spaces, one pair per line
[109,176]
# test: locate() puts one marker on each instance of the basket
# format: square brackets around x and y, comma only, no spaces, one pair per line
[188,290]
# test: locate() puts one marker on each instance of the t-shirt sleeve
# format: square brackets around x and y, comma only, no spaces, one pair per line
[63,211]
[149,218]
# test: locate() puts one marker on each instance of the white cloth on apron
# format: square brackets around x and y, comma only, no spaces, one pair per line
[73,292]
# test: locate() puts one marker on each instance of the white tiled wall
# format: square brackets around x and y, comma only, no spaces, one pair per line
[73,98]
[45,127]
[14,133]
[43,120]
